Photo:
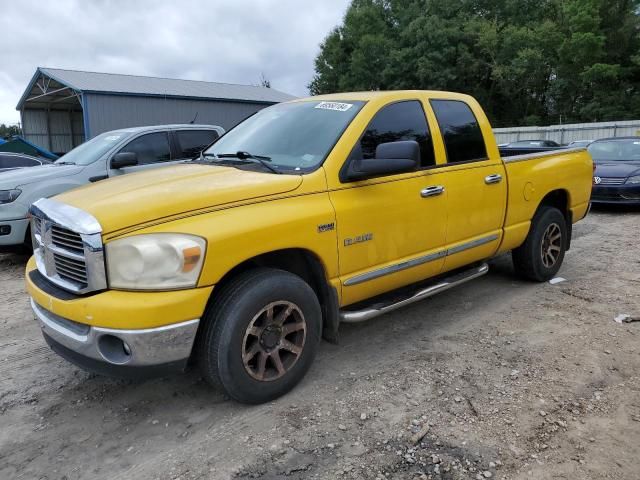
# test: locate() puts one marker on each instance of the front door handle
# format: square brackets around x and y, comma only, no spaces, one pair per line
[432,191]
[495,178]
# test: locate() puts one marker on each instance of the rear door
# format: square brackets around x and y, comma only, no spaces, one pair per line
[189,143]
[476,184]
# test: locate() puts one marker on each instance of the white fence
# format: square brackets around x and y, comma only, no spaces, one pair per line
[570,132]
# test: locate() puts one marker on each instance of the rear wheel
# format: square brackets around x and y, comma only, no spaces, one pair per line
[540,257]
[260,336]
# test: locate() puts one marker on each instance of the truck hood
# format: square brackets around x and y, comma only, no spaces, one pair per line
[24,176]
[137,198]
[617,169]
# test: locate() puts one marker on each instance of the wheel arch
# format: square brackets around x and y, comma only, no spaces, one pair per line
[560,199]
[303,263]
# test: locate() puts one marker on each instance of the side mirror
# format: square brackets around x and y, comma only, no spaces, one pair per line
[124,159]
[391,158]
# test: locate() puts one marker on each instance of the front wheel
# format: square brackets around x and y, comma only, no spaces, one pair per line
[539,258]
[260,336]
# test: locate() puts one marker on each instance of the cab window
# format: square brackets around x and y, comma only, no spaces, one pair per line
[395,122]
[192,142]
[460,130]
[150,148]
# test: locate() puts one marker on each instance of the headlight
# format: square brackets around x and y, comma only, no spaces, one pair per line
[8,196]
[633,180]
[156,261]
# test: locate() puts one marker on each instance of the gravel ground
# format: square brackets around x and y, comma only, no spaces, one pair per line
[498,378]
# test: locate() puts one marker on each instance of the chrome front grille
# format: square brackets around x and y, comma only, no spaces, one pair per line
[70,269]
[67,245]
[611,181]
[65,238]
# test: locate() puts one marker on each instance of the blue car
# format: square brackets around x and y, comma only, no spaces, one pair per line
[617,175]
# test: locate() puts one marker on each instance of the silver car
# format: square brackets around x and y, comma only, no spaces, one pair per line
[107,155]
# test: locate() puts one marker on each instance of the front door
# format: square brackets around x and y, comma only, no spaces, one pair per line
[390,232]
[151,149]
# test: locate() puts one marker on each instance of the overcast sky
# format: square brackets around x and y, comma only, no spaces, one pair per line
[217,40]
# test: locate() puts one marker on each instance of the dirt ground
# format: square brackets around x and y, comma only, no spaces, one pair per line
[498,378]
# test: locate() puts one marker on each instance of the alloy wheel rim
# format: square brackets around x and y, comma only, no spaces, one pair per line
[551,245]
[273,341]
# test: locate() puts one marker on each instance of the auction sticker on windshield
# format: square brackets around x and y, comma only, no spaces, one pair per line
[337,106]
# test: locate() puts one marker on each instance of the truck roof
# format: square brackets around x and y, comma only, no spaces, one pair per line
[377,95]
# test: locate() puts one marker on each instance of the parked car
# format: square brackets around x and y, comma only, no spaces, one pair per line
[533,144]
[523,147]
[308,214]
[108,155]
[617,175]
[579,144]
[11,161]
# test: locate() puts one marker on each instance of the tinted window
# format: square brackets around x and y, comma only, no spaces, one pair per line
[398,121]
[192,142]
[12,161]
[25,162]
[151,148]
[462,135]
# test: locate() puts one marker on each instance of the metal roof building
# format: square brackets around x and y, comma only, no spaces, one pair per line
[62,108]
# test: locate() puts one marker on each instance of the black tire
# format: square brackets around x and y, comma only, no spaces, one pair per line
[226,339]
[530,260]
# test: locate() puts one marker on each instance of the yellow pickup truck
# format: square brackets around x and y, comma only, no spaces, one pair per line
[310,213]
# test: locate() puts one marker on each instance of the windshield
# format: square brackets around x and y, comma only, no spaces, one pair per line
[616,151]
[92,150]
[294,136]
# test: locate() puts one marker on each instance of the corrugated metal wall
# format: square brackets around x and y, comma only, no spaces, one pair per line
[54,134]
[570,132]
[110,112]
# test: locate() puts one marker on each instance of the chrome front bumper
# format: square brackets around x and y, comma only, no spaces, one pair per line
[167,345]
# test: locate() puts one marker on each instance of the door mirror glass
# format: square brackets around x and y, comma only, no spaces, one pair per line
[391,158]
[124,159]
[404,149]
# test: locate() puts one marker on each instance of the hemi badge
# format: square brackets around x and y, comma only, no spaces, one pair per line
[326,227]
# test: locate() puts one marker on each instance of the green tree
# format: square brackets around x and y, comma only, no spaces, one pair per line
[527,61]
[7,131]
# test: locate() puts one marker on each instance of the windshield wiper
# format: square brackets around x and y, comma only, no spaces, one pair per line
[65,163]
[261,159]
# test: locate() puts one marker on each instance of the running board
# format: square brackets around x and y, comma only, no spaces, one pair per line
[355,316]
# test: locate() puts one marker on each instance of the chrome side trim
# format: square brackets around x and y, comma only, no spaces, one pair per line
[546,153]
[472,244]
[365,277]
[397,267]
[71,217]
[150,346]
[356,316]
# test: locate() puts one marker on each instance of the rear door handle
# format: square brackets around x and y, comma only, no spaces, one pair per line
[432,191]
[495,178]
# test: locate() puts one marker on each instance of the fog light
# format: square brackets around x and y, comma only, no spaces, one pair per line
[114,350]
[5,229]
